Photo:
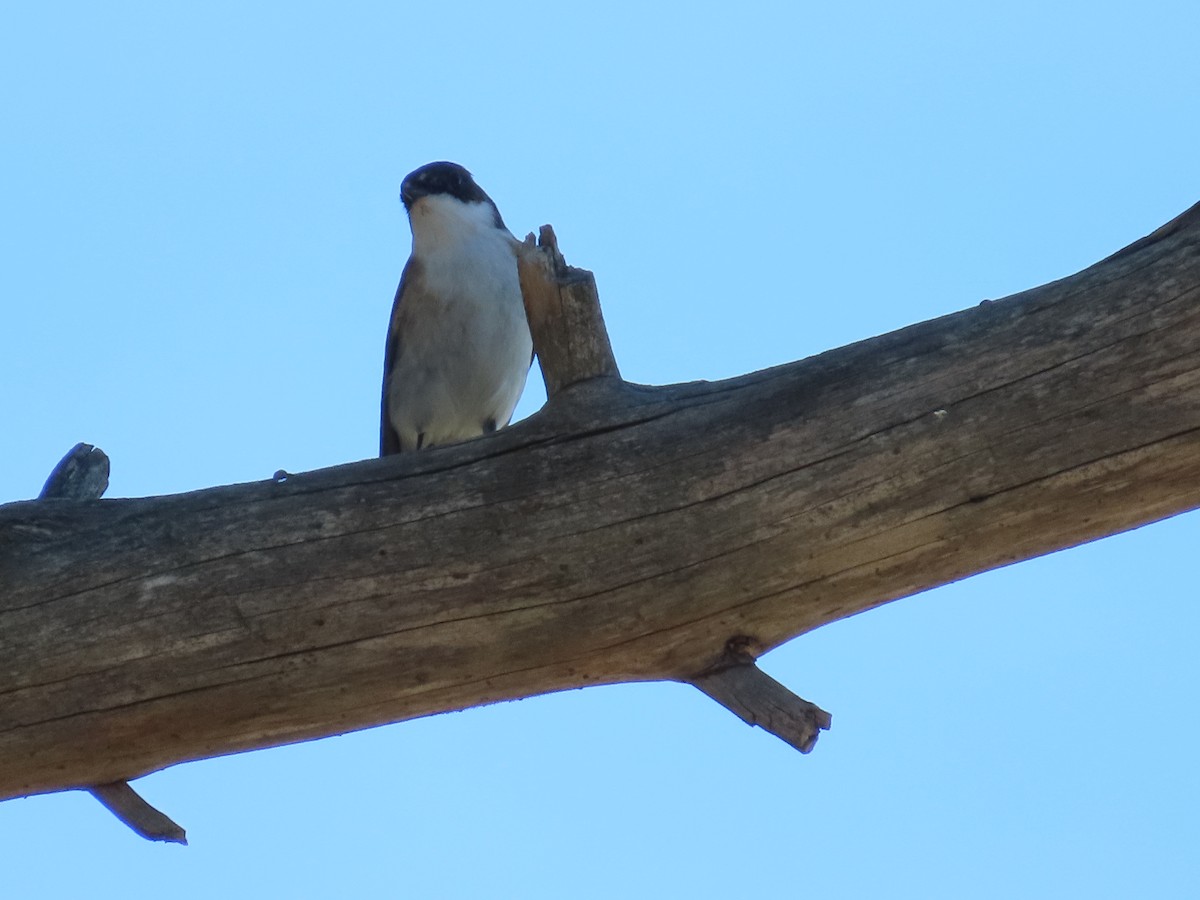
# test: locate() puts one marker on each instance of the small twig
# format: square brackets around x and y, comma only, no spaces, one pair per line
[758,699]
[563,307]
[83,475]
[127,805]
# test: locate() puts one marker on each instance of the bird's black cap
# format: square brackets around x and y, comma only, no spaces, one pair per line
[441,178]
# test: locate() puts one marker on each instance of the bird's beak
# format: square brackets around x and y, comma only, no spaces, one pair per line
[410,193]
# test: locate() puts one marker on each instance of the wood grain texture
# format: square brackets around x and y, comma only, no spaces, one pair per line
[623,533]
[82,474]
[758,699]
[563,309]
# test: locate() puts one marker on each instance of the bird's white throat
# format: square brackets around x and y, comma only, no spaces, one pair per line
[445,225]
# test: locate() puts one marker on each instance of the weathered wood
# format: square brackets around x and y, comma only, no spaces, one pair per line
[623,533]
[127,805]
[82,474]
[758,699]
[563,309]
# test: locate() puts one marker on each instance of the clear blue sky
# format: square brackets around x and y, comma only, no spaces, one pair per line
[200,235]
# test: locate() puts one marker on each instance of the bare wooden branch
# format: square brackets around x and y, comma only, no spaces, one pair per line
[758,699]
[563,307]
[82,474]
[124,802]
[623,533]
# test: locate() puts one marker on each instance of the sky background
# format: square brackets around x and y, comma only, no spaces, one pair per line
[200,236]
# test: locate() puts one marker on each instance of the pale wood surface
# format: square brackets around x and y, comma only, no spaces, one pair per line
[563,308]
[623,533]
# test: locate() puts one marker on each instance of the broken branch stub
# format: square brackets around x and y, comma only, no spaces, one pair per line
[563,308]
[127,805]
[758,699]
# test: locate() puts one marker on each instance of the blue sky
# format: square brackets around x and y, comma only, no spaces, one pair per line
[201,232]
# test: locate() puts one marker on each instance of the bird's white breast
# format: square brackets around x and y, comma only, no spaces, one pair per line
[465,349]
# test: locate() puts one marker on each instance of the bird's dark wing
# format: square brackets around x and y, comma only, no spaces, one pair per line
[389,441]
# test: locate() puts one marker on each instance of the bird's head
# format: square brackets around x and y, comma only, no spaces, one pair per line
[445,180]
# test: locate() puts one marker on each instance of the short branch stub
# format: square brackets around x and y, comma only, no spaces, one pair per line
[563,307]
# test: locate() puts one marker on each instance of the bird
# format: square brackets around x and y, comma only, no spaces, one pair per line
[458,345]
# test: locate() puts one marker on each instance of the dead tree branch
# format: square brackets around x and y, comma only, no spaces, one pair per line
[563,309]
[127,805]
[758,699]
[83,475]
[623,533]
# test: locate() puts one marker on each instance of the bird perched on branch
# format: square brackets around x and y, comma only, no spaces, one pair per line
[458,345]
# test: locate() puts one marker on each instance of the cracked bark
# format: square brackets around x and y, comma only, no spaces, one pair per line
[623,533]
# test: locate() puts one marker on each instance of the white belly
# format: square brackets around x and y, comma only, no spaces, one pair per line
[465,349]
